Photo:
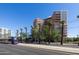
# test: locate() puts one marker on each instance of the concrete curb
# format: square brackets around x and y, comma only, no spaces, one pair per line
[66,49]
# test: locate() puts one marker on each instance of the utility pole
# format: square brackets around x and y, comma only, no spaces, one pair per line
[39,32]
[62,32]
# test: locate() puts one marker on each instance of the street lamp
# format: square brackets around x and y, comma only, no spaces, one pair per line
[62,31]
[39,32]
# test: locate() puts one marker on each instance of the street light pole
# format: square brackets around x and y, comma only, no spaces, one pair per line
[62,31]
[39,32]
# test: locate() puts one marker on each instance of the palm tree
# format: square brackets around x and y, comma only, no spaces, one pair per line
[21,31]
[34,33]
[17,34]
[26,32]
[24,36]
[50,33]
[55,34]
[25,29]
[49,23]
[39,33]
[45,32]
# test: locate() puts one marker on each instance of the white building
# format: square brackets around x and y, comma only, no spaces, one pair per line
[5,33]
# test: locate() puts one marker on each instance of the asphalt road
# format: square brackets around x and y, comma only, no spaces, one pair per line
[8,49]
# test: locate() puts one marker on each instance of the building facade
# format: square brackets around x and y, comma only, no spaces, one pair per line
[56,19]
[38,23]
[5,33]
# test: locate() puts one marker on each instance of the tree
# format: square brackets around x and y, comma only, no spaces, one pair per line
[34,33]
[45,33]
[50,33]
[49,23]
[39,33]
[55,34]
[21,31]
[25,29]
[25,32]
[17,34]
[24,36]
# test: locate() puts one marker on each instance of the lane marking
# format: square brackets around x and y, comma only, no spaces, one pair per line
[4,52]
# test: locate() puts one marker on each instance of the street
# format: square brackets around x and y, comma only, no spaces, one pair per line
[8,49]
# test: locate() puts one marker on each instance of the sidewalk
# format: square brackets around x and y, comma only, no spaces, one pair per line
[59,48]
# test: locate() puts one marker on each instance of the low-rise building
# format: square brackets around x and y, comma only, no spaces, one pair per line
[5,33]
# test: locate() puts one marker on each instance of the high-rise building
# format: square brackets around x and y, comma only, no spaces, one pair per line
[55,19]
[38,22]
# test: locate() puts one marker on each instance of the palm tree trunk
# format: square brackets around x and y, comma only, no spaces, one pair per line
[21,35]
[17,35]
[26,34]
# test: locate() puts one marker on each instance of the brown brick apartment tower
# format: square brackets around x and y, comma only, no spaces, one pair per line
[55,19]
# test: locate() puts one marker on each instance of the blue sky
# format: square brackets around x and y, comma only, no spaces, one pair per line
[15,16]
